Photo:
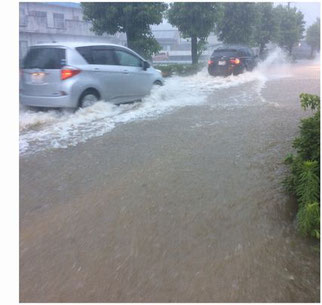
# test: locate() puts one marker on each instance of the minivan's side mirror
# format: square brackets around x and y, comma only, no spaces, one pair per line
[146,65]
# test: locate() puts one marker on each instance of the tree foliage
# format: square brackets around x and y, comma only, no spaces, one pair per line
[304,179]
[313,36]
[290,27]
[238,23]
[266,26]
[194,20]
[134,19]
[257,24]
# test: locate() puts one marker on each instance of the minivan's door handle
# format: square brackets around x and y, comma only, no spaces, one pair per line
[125,71]
[97,69]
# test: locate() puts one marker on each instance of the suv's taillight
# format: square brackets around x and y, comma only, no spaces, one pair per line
[68,72]
[210,62]
[235,61]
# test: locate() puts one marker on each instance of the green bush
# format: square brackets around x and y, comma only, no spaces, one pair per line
[178,69]
[304,178]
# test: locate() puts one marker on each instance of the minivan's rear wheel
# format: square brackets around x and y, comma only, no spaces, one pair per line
[88,98]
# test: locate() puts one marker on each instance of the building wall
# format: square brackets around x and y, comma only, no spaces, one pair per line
[38,23]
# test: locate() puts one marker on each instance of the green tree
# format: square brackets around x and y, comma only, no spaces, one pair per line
[134,19]
[266,27]
[238,23]
[194,20]
[313,36]
[291,27]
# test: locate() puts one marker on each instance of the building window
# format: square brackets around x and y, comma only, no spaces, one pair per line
[22,17]
[59,21]
[76,18]
[40,17]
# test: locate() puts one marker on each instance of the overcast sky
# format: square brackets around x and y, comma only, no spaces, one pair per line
[311,10]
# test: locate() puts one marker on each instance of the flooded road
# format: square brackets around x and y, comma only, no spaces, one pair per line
[175,199]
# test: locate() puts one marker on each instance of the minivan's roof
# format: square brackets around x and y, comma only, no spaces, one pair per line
[83,44]
[76,44]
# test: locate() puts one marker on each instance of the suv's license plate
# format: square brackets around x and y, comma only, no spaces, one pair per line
[221,62]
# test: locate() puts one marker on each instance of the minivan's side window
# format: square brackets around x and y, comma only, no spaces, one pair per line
[97,55]
[126,59]
[44,58]
[103,57]
[86,53]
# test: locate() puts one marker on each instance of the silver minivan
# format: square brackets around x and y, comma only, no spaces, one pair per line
[75,75]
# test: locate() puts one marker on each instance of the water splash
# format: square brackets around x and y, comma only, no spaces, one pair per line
[41,130]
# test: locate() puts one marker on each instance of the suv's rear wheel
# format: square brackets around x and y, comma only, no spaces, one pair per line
[88,98]
[240,70]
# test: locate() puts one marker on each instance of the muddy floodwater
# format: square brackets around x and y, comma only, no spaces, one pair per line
[174,199]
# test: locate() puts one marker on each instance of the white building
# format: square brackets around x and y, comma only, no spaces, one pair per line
[48,22]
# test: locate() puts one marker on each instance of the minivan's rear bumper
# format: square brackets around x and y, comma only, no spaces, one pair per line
[45,101]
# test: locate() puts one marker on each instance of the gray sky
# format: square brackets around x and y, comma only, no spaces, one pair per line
[311,10]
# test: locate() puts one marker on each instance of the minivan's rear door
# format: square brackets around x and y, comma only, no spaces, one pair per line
[41,71]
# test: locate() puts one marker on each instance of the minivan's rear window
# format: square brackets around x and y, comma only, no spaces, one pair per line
[45,58]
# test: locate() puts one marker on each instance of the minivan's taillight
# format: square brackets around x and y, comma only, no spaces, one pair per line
[68,72]
[235,61]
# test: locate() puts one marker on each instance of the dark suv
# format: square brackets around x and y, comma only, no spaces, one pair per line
[227,60]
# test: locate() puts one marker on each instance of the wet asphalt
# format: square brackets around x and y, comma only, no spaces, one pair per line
[188,207]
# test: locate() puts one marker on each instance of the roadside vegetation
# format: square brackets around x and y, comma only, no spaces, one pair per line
[179,69]
[304,178]
[313,36]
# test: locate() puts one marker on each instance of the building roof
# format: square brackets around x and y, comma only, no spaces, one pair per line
[165,34]
[164,26]
[66,4]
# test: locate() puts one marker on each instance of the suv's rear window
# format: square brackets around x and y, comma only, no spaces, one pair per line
[224,52]
[45,58]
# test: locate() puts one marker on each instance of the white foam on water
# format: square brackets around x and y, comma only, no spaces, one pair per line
[41,130]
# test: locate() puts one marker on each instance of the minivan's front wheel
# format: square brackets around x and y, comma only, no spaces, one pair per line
[88,98]
[157,83]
